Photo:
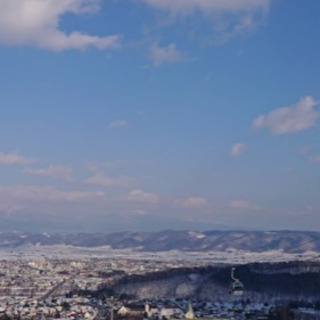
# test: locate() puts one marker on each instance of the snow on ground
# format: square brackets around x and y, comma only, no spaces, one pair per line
[229,256]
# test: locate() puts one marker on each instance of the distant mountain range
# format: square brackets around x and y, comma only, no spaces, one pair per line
[255,241]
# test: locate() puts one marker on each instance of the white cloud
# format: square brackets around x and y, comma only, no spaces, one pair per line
[141,196]
[298,117]
[225,18]
[139,212]
[43,193]
[117,124]
[100,179]
[167,54]
[186,7]
[315,158]
[241,204]
[14,158]
[36,22]
[44,201]
[194,202]
[237,149]
[53,171]
[97,167]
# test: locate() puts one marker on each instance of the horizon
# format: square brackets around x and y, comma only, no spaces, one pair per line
[152,115]
[74,232]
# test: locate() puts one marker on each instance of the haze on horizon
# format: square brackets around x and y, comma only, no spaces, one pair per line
[156,114]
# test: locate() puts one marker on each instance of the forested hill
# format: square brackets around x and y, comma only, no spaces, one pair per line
[291,279]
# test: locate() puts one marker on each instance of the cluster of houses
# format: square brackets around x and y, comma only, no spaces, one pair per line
[183,309]
[153,311]
[78,308]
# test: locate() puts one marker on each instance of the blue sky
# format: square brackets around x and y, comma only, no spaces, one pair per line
[158,114]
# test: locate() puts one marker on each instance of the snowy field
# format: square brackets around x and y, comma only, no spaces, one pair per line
[230,256]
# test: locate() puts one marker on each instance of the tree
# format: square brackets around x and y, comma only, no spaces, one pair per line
[281,313]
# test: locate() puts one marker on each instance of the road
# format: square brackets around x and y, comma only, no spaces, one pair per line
[52,290]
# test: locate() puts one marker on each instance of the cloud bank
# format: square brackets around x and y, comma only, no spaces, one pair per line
[21,197]
[46,193]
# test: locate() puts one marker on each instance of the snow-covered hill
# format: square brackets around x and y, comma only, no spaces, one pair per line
[249,241]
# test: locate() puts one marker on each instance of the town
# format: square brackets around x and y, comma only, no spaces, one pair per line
[82,287]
